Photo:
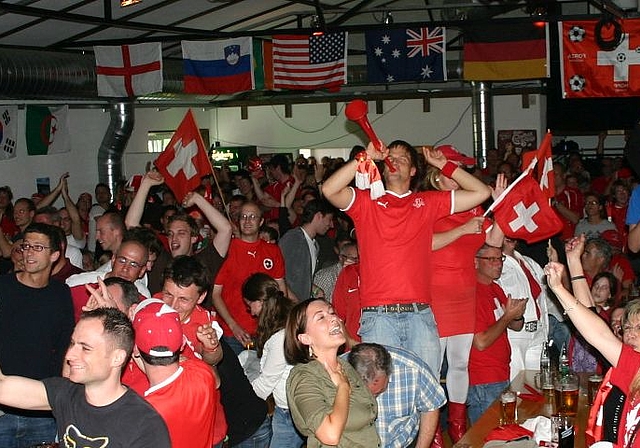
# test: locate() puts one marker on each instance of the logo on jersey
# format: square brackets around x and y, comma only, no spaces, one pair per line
[267,263]
[418,202]
[74,438]
[253,254]
[383,204]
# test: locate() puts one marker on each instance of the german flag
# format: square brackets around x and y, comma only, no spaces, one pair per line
[506,52]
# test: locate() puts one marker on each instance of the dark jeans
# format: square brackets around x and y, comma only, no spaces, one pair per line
[17,431]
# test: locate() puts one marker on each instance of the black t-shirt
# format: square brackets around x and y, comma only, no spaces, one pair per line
[244,410]
[128,422]
[35,327]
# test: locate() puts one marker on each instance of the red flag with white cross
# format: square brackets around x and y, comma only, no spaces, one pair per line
[544,170]
[184,162]
[523,212]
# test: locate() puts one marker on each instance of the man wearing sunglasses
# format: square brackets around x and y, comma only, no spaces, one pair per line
[490,352]
[129,262]
[36,322]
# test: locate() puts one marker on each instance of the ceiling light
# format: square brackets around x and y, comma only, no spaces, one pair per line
[124,3]
[388,18]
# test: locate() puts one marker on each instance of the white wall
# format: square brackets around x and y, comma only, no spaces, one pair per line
[311,126]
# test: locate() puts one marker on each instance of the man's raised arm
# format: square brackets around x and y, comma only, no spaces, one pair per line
[23,393]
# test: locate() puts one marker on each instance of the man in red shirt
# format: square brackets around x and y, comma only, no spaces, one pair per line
[247,255]
[490,353]
[183,393]
[568,202]
[395,234]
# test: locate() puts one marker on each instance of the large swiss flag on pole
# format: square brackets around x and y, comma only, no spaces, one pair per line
[523,212]
[589,71]
[184,161]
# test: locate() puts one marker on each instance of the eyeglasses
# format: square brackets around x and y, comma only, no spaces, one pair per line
[252,217]
[133,264]
[592,202]
[493,259]
[631,329]
[35,247]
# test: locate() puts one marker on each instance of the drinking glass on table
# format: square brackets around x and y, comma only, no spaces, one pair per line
[592,388]
[567,394]
[508,400]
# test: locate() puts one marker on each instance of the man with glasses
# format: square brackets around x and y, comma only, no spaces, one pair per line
[36,322]
[248,254]
[523,277]
[490,352]
[128,263]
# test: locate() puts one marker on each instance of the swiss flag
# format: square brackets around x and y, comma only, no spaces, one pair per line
[544,168]
[522,211]
[184,161]
[589,71]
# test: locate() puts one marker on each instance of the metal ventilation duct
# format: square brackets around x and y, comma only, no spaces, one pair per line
[114,143]
[34,74]
[42,75]
[482,120]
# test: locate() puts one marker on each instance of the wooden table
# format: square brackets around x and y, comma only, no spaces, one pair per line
[474,438]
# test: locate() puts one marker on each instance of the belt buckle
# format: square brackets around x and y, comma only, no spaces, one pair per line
[531,326]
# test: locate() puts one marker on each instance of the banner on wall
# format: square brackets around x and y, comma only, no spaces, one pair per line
[47,130]
[8,131]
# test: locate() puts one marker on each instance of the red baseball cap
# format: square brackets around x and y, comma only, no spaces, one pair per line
[452,154]
[158,329]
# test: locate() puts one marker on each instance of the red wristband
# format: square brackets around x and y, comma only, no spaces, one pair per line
[449,168]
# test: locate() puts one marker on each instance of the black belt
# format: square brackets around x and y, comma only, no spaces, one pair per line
[397,308]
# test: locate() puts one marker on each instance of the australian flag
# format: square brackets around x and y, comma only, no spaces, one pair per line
[415,54]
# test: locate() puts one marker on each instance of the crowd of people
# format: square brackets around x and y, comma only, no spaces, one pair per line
[281,305]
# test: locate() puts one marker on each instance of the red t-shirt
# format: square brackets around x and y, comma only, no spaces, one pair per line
[346,298]
[622,376]
[572,199]
[490,365]
[394,239]
[243,259]
[454,285]
[187,402]
[275,191]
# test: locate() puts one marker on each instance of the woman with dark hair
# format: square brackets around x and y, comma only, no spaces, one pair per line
[328,401]
[266,302]
[595,221]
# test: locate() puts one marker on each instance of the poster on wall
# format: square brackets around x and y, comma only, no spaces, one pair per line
[517,141]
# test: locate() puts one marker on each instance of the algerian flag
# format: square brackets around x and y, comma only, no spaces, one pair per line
[47,131]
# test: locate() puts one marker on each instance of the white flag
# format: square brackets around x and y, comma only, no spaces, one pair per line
[129,70]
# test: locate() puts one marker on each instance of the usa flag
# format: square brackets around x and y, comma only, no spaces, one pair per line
[414,54]
[310,62]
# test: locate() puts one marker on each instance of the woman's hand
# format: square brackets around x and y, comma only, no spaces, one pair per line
[575,247]
[434,156]
[337,375]
[554,272]
[473,226]
[501,185]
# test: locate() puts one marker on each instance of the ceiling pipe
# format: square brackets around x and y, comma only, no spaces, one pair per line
[482,120]
[114,143]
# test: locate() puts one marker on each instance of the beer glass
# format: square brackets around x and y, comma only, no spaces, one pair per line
[508,400]
[567,394]
[593,386]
